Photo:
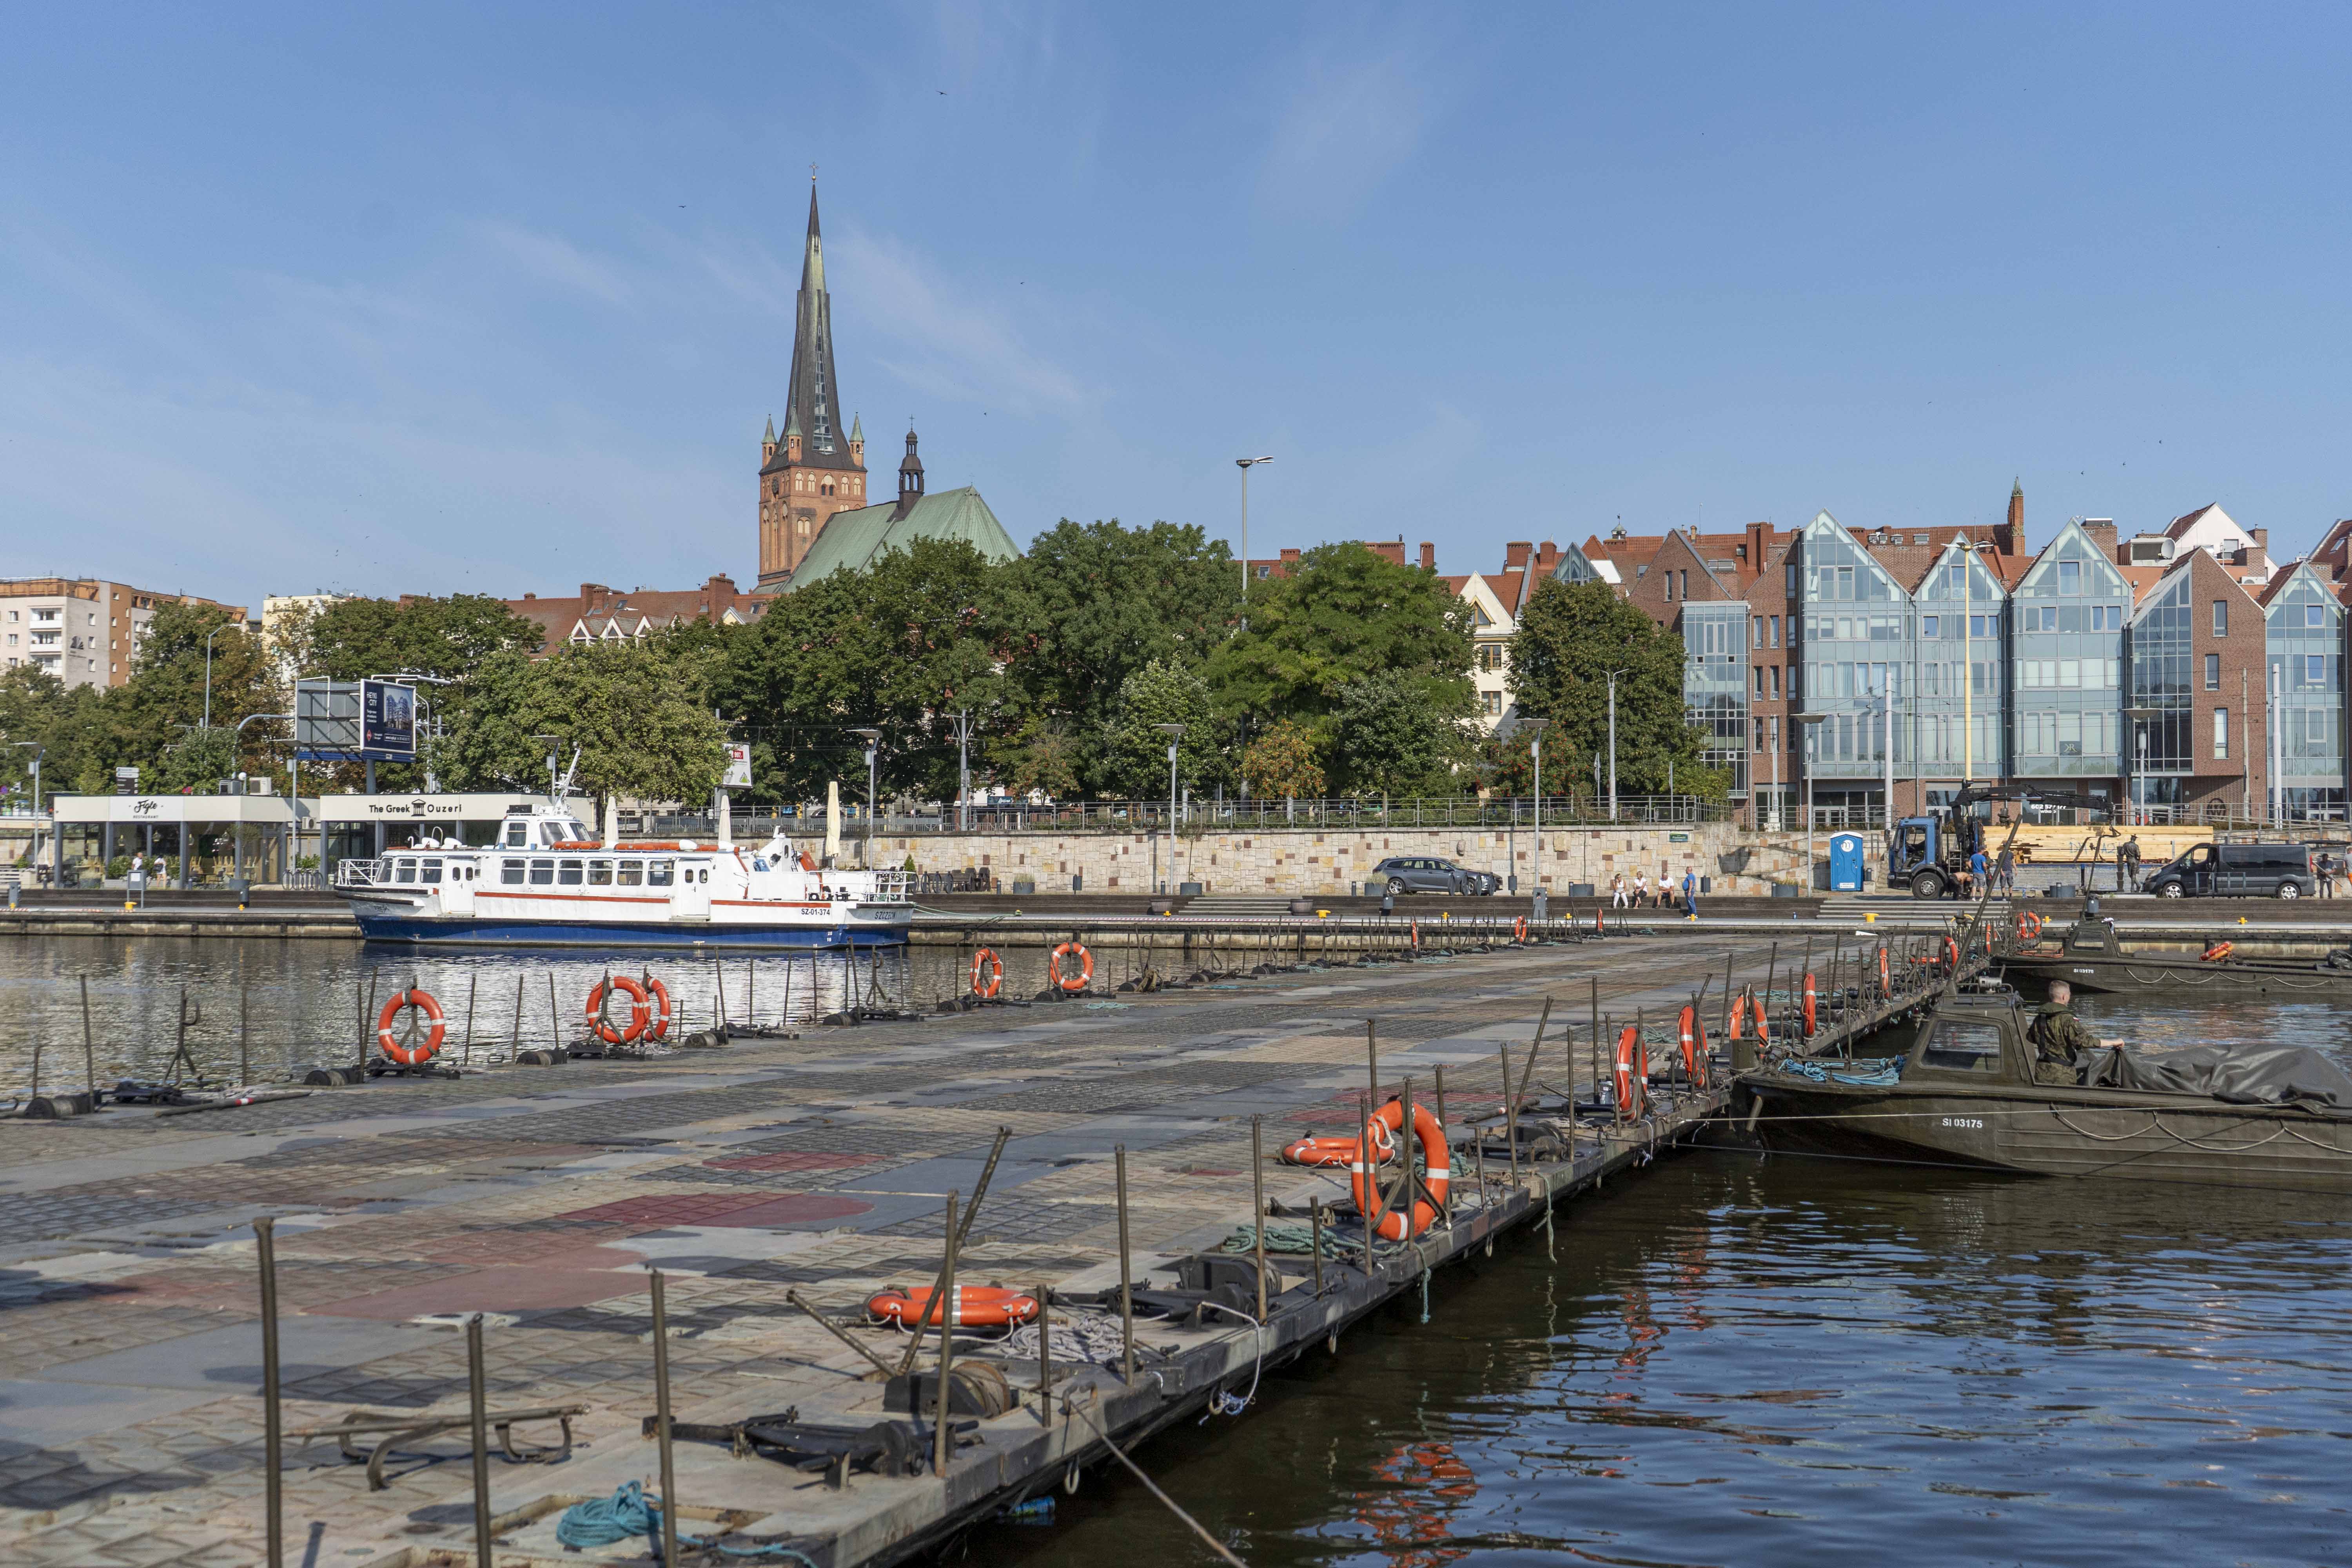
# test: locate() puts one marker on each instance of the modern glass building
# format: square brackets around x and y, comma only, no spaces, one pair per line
[2160,726]
[1854,640]
[2303,634]
[2066,665]
[1957,729]
[1714,682]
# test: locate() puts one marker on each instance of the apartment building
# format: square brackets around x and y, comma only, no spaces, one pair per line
[82,630]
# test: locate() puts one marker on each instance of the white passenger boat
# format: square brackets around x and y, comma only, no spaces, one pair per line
[548,883]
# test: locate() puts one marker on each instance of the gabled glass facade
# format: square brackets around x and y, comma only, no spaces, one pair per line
[1714,682]
[1960,612]
[2163,665]
[2303,634]
[1854,635]
[2066,662]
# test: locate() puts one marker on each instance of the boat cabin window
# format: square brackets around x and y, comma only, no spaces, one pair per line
[404,871]
[510,872]
[600,873]
[518,833]
[1962,1047]
[543,873]
[578,829]
[567,872]
[633,873]
[658,873]
[428,871]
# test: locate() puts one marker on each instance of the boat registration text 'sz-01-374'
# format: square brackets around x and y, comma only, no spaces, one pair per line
[546,883]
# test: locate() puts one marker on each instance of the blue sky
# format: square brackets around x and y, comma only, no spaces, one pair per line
[497,298]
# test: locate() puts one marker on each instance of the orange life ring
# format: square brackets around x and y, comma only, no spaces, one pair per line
[1387,1122]
[657,996]
[1598,928]
[394,1051]
[2029,925]
[1694,1043]
[1337,1153]
[973,1307]
[1885,984]
[1519,928]
[1629,1048]
[1078,982]
[1763,1031]
[639,1012]
[1415,926]
[1951,953]
[1739,1016]
[1812,1015]
[985,962]
[2219,951]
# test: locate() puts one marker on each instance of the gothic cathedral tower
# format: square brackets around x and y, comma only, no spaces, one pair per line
[814,471]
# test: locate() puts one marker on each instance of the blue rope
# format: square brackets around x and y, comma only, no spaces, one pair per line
[1868,1074]
[600,1522]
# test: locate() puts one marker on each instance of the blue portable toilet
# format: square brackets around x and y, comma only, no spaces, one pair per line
[1845,862]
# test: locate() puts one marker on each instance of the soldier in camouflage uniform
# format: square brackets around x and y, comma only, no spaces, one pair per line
[2060,1039]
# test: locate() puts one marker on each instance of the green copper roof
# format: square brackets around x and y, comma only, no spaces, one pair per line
[853,539]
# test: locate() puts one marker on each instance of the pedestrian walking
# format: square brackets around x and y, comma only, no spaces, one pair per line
[2004,871]
[1690,893]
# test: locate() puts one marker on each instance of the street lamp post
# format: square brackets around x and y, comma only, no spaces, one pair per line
[1535,748]
[873,745]
[209,672]
[1245,465]
[1612,742]
[1175,733]
[1812,722]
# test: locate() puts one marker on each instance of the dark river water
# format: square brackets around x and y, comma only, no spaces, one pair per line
[1729,1361]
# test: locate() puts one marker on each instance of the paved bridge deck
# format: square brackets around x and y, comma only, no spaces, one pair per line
[128,1339]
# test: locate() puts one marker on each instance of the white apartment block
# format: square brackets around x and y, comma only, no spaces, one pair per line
[82,630]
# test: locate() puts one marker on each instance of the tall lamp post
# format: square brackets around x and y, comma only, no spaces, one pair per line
[1612,742]
[1174,733]
[1535,728]
[873,739]
[1245,465]
[1812,722]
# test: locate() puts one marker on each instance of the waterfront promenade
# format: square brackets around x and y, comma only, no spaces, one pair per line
[819,1167]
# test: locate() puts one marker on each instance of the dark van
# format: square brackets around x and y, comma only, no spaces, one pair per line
[2237,871]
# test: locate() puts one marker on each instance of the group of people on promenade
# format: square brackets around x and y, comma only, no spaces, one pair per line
[1640,894]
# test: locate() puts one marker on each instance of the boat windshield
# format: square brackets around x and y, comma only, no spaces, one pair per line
[1954,1046]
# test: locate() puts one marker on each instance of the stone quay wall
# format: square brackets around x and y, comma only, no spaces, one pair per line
[1292,862]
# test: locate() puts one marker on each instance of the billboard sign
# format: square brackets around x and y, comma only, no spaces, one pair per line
[354,722]
[738,767]
[387,720]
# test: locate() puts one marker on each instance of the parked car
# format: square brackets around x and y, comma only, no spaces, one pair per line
[1427,874]
[2237,871]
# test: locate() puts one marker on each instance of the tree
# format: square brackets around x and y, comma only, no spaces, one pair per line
[638,712]
[1091,605]
[1391,738]
[150,716]
[354,638]
[1042,758]
[1133,761]
[1569,637]
[1343,614]
[1280,764]
[71,724]
[900,647]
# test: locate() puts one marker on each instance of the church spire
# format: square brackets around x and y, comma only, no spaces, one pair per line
[815,468]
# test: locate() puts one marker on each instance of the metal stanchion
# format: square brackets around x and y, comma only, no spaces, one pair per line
[661,1425]
[944,1300]
[1257,1197]
[272,1424]
[1045,1355]
[476,1396]
[1126,1275]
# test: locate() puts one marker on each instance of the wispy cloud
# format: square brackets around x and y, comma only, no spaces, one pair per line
[1352,120]
[555,260]
[945,341]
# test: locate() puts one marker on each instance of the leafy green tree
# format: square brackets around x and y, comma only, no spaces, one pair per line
[1133,761]
[1343,614]
[1391,737]
[151,715]
[71,724]
[901,647]
[1569,637]
[1280,764]
[354,638]
[638,712]
[1042,757]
